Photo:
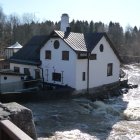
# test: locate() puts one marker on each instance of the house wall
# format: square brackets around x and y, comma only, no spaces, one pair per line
[11,84]
[10,51]
[10,78]
[81,66]
[22,66]
[98,68]
[56,64]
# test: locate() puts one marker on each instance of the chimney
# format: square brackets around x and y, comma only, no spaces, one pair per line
[64,23]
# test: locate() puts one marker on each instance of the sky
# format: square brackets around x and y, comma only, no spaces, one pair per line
[126,12]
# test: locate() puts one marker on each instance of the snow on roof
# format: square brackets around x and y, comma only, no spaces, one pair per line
[15,46]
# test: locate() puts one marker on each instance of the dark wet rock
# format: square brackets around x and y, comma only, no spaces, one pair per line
[20,116]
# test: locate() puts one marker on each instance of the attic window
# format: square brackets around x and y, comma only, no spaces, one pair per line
[56,44]
[101,48]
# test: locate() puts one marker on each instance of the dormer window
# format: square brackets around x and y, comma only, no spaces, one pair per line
[101,48]
[56,44]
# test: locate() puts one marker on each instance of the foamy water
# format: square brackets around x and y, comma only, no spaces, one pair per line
[115,119]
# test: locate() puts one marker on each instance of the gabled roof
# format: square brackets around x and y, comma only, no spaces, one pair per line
[15,46]
[74,40]
[30,53]
[84,42]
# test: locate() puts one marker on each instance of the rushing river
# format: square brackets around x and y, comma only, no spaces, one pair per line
[80,119]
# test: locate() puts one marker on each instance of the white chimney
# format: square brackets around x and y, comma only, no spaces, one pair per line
[64,22]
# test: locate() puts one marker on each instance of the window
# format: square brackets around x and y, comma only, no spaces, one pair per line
[22,78]
[16,69]
[26,71]
[82,55]
[5,78]
[101,48]
[109,69]
[84,76]
[93,57]
[56,44]
[65,55]
[48,54]
[56,76]
[37,74]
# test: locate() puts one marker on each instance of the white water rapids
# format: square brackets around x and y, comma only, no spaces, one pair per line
[80,119]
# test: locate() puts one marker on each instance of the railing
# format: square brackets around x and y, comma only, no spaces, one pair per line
[9,131]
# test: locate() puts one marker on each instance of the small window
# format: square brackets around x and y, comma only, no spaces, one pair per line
[109,69]
[84,76]
[93,57]
[27,71]
[101,48]
[65,55]
[56,44]
[48,54]
[5,78]
[56,76]
[82,55]
[22,78]
[16,69]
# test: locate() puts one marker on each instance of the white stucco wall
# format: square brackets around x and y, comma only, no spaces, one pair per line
[11,84]
[22,66]
[74,68]
[98,68]
[57,64]
[81,66]
[10,78]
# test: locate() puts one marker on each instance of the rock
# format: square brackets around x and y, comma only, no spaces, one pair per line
[20,116]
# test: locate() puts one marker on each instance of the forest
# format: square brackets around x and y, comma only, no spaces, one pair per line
[21,29]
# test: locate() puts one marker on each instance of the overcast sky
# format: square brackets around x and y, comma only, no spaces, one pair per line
[126,12]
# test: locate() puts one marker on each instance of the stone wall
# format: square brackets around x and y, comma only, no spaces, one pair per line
[20,116]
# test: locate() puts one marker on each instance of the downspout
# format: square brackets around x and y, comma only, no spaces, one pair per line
[88,56]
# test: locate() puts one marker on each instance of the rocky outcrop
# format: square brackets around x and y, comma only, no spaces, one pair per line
[20,116]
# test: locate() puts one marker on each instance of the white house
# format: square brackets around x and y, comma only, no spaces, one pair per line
[27,59]
[81,61]
[77,60]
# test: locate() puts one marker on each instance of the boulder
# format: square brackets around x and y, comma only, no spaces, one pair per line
[20,116]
